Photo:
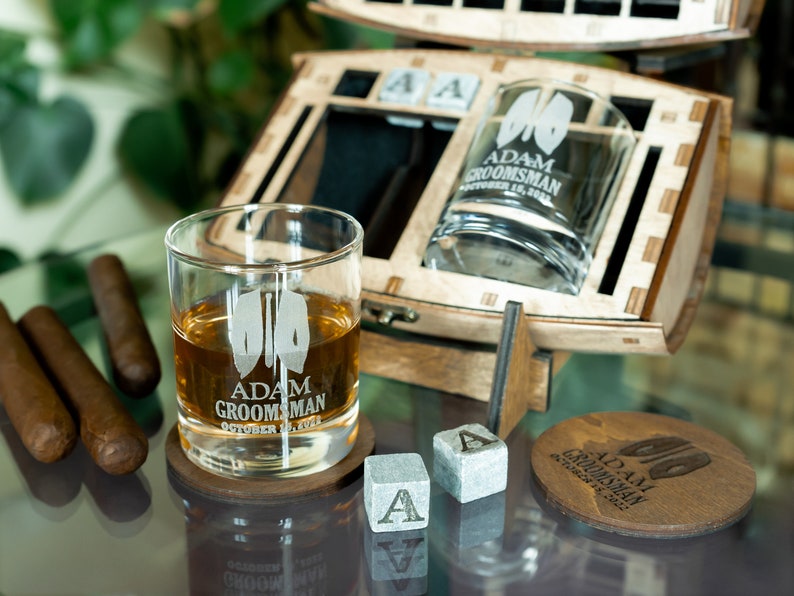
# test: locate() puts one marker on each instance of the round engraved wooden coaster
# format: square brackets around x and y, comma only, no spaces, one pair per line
[642,475]
[271,490]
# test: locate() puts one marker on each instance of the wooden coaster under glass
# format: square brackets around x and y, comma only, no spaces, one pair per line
[271,490]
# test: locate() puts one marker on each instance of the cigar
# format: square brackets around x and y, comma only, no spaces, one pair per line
[136,367]
[36,412]
[111,436]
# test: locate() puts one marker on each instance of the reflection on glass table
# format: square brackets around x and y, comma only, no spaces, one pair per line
[70,528]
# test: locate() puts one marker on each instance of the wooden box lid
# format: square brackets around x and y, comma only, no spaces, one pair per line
[605,25]
[331,129]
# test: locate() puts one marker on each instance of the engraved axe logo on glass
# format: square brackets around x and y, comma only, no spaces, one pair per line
[528,118]
[273,327]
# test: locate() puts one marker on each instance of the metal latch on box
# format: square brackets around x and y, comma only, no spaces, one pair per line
[386,314]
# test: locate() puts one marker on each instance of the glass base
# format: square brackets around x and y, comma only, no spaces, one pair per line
[277,455]
[542,255]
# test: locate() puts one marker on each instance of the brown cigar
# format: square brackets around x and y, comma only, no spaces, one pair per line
[31,402]
[136,368]
[115,441]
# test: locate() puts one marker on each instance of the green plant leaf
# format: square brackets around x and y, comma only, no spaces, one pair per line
[240,14]
[161,147]
[17,88]
[19,81]
[12,48]
[231,72]
[44,147]
[8,259]
[22,82]
[92,29]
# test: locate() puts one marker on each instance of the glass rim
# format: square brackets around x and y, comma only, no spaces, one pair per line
[571,86]
[233,268]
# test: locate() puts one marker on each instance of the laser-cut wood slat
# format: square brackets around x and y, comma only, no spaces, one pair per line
[564,24]
[654,297]
[522,375]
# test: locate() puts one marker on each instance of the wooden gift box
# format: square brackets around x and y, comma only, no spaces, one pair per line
[339,137]
[326,136]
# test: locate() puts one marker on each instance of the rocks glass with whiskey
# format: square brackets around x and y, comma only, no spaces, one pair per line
[535,188]
[265,308]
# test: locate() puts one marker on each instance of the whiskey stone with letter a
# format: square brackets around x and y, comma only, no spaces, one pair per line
[470,462]
[396,492]
[643,475]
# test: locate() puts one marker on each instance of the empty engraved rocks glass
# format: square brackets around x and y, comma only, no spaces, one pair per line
[536,187]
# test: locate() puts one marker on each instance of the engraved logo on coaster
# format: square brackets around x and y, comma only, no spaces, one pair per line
[643,474]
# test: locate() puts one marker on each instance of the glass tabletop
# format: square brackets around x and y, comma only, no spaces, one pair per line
[69,528]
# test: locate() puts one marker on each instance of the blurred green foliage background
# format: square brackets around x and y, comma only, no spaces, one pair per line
[226,63]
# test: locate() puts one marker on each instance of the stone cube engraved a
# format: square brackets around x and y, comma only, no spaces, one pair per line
[453,91]
[470,462]
[396,492]
[404,86]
